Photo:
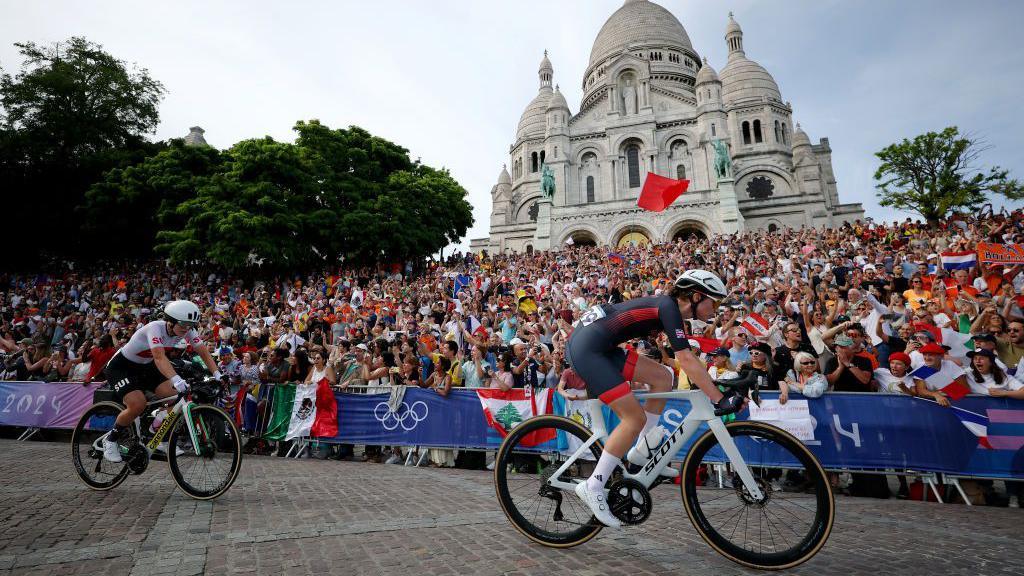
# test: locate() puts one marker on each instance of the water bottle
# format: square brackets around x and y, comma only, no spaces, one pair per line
[642,451]
[158,418]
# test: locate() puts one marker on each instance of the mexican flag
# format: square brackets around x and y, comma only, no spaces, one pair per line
[282,403]
[505,410]
[303,411]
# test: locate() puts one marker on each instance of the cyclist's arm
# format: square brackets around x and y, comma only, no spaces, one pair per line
[162,363]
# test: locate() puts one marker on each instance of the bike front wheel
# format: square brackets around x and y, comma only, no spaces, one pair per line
[206,469]
[531,453]
[87,447]
[787,525]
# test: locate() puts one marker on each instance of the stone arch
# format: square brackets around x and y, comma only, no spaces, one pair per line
[584,231]
[683,229]
[522,209]
[697,221]
[784,184]
[625,232]
[619,143]
[664,141]
[581,237]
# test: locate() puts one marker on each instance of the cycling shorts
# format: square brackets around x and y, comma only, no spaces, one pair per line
[606,368]
[125,376]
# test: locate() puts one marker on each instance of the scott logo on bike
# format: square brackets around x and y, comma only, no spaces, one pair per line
[661,451]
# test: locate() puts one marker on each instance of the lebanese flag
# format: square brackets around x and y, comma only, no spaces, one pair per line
[505,410]
[755,324]
[943,380]
[325,422]
[959,260]
[707,345]
[659,192]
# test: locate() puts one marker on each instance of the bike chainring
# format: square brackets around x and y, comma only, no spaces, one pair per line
[137,459]
[629,501]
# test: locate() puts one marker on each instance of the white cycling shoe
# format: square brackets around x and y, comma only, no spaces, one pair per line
[637,457]
[162,447]
[111,450]
[598,504]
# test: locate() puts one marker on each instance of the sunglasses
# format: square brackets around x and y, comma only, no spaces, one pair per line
[810,363]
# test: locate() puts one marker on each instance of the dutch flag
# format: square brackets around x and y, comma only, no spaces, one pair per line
[976,423]
[959,260]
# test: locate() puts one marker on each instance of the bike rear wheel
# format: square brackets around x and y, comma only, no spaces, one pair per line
[208,469]
[792,520]
[87,450]
[530,454]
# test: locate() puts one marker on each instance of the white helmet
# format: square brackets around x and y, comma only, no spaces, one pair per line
[182,311]
[704,282]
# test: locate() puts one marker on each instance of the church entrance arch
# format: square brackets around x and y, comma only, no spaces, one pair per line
[633,236]
[581,238]
[686,230]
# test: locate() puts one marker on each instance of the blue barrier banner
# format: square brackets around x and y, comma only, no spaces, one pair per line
[979,436]
[844,430]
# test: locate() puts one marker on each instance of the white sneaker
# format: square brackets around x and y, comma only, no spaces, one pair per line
[395,459]
[111,450]
[598,505]
[162,447]
[1014,502]
[635,456]
[491,465]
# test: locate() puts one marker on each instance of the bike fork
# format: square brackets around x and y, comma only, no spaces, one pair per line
[733,454]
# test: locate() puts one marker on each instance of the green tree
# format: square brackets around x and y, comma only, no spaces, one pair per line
[141,199]
[71,113]
[936,173]
[333,194]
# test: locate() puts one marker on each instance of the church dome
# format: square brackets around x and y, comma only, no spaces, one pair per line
[533,122]
[504,177]
[640,23]
[706,74]
[743,78]
[557,101]
[800,138]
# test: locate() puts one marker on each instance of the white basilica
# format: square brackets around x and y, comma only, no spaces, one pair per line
[651,105]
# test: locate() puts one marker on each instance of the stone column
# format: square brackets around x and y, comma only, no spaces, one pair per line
[542,234]
[728,207]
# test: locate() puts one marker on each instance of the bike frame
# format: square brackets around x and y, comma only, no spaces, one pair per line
[701,411]
[182,406]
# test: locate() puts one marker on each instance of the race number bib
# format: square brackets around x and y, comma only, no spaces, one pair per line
[593,315]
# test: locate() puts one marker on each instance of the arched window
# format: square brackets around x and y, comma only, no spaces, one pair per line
[778,132]
[773,228]
[785,136]
[680,172]
[556,152]
[542,157]
[633,166]
[757,131]
[746,132]
[533,162]
[590,188]
[713,129]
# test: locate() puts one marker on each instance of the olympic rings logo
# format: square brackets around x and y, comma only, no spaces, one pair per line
[407,416]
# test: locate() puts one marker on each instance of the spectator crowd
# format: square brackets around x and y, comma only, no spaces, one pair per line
[852,308]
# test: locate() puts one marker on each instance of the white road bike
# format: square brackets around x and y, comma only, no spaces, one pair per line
[754,492]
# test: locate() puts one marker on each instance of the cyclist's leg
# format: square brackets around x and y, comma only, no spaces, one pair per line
[656,375]
[135,404]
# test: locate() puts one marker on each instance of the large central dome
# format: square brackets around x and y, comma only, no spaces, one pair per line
[640,23]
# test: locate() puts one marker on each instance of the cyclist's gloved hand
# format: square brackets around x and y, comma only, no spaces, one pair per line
[730,403]
[179,383]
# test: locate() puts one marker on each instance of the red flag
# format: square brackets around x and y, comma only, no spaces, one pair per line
[755,324]
[659,192]
[956,390]
[325,424]
[707,345]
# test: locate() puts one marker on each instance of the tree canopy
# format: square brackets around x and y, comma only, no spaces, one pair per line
[936,173]
[71,113]
[334,194]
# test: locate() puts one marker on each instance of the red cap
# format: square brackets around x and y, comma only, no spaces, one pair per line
[932,348]
[900,357]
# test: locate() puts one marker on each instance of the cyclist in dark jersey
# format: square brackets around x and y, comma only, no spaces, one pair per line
[595,354]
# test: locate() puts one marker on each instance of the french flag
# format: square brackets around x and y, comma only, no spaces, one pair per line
[959,260]
[976,423]
[942,380]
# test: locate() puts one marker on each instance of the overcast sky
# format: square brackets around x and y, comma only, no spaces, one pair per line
[449,79]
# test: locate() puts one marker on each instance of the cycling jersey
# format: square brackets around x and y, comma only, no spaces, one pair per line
[139,348]
[593,349]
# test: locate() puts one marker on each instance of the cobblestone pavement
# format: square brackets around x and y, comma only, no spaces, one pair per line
[326,517]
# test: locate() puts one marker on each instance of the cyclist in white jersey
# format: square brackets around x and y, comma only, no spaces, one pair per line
[141,366]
